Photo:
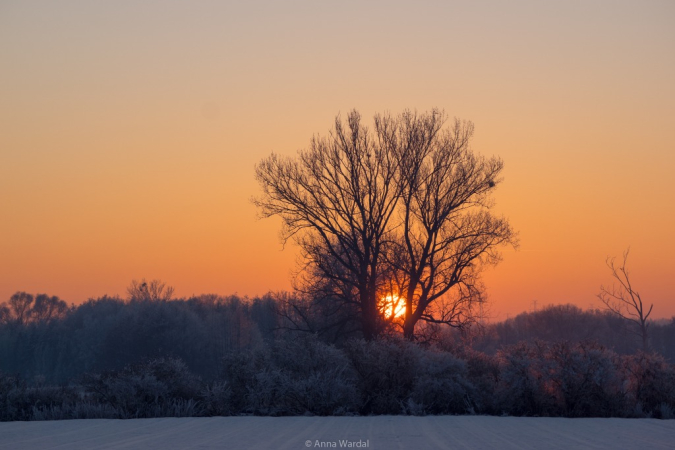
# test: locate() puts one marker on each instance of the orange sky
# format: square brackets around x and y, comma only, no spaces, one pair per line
[129,131]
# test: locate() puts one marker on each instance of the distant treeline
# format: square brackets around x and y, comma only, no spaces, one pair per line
[109,333]
[557,323]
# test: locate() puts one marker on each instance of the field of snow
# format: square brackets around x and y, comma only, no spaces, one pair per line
[378,432]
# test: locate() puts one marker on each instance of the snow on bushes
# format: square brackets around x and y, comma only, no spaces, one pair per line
[441,386]
[389,376]
[304,376]
[386,372]
[560,379]
[161,387]
[650,385]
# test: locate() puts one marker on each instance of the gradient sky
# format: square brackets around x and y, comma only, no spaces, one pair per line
[129,131]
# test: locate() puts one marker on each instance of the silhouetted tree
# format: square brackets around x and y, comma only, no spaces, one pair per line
[336,199]
[401,212]
[48,308]
[623,300]
[155,290]
[448,232]
[20,304]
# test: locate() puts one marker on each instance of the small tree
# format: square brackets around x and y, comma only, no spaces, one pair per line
[48,308]
[20,306]
[154,290]
[623,300]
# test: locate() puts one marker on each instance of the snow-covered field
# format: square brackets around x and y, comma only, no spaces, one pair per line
[379,432]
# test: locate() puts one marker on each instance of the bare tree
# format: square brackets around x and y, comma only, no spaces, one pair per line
[336,200]
[20,304]
[448,231]
[155,290]
[24,308]
[48,308]
[401,214]
[623,300]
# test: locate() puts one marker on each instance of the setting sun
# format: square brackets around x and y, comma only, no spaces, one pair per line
[393,306]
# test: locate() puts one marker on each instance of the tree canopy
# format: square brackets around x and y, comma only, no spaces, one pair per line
[395,215]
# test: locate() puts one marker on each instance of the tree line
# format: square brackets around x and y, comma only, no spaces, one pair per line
[109,333]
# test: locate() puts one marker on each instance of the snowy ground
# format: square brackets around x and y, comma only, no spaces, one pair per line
[381,432]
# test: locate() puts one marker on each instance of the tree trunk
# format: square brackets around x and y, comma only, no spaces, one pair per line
[409,328]
[369,317]
[410,320]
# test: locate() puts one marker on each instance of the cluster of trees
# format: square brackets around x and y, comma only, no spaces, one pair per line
[23,308]
[384,376]
[557,323]
[109,333]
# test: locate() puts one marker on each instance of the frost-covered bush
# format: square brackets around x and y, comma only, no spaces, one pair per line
[314,378]
[216,399]
[301,376]
[521,390]
[650,385]
[239,372]
[388,376]
[584,380]
[20,401]
[386,372]
[161,387]
[12,398]
[174,373]
[441,386]
[483,372]
[560,379]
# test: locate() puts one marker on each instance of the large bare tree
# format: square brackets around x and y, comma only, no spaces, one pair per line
[400,213]
[448,230]
[337,199]
[623,300]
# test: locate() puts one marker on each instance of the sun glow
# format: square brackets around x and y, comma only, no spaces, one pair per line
[393,306]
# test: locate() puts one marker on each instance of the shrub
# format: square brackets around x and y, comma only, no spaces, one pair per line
[521,390]
[302,376]
[217,399]
[386,371]
[12,398]
[483,372]
[650,385]
[441,386]
[584,380]
[560,379]
[161,387]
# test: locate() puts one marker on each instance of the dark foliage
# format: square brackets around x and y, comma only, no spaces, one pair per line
[161,387]
[570,323]
[303,376]
[109,334]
